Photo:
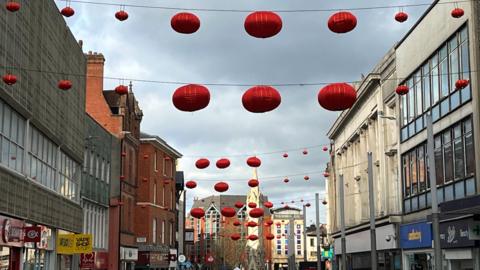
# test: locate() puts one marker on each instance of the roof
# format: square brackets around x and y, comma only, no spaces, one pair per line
[221,201]
[145,137]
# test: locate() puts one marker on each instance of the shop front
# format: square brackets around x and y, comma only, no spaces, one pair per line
[457,245]
[11,243]
[39,255]
[154,257]
[416,244]
[358,249]
[128,258]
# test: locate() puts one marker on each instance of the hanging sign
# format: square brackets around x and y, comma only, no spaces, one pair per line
[32,234]
[74,243]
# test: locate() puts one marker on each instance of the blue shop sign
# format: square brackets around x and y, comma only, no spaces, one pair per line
[417,235]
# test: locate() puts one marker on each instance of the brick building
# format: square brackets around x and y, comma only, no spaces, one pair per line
[121,115]
[156,208]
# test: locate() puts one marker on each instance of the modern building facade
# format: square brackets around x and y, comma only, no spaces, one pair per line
[156,207]
[449,52]
[42,133]
[369,126]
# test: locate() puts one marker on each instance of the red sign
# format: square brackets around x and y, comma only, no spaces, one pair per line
[11,232]
[87,260]
[101,260]
[210,259]
[32,234]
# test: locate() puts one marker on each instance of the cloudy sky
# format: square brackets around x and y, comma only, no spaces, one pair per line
[145,47]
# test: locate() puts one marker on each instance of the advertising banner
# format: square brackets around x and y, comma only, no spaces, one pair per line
[74,243]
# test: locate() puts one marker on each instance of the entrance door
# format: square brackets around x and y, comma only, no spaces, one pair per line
[14,260]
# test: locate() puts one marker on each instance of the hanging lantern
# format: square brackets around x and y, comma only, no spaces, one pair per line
[305,152]
[236,223]
[221,187]
[197,213]
[67,11]
[268,204]
[121,89]
[252,224]
[254,162]
[185,23]
[325,149]
[269,236]
[121,15]
[191,97]
[238,204]
[253,183]
[285,155]
[202,163]
[342,22]
[308,205]
[286,206]
[191,184]
[64,84]
[401,17]
[279,236]
[460,84]
[256,212]
[9,79]
[223,163]
[228,212]
[301,200]
[306,178]
[263,24]
[292,202]
[252,205]
[260,99]
[252,237]
[235,237]
[457,12]
[337,97]
[12,6]
[286,180]
[402,90]
[269,222]
[324,202]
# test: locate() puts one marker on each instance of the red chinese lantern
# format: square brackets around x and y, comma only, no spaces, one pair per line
[282,203]
[121,15]
[254,162]
[286,180]
[228,212]
[202,163]
[197,213]
[279,236]
[12,6]
[260,99]
[269,222]
[67,11]
[326,174]
[306,178]
[268,204]
[9,79]
[402,90]
[252,224]
[325,149]
[342,22]
[285,155]
[256,212]
[292,201]
[286,206]
[191,184]
[269,236]
[185,23]
[238,204]
[221,187]
[64,84]
[223,163]
[253,183]
[235,237]
[457,12]
[401,17]
[236,223]
[305,152]
[252,205]
[337,97]
[263,24]
[460,84]
[324,202]
[191,97]
[308,205]
[252,237]
[121,89]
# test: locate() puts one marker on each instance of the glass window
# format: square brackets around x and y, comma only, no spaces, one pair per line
[404,110]
[448,156]
[438,160]
[469,147]
[406,175]
[418,96]
[154,231]
[459,166]
[413,170]
[411,103]
[465,60]
[426,87]
[454,70]
[455,100]
[435,84]
[444,89]
[421,169]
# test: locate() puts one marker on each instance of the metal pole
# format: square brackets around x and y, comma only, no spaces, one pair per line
[304,233]
[317,231]
[343,265]
[291,245]
[433,187]
[371,192]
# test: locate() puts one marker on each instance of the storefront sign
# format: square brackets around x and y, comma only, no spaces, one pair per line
[46,239]
[74,243]
[455,234]
[128,254]
[101,260]
[32,234]
[87,260]
[417,235]
[11,232]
